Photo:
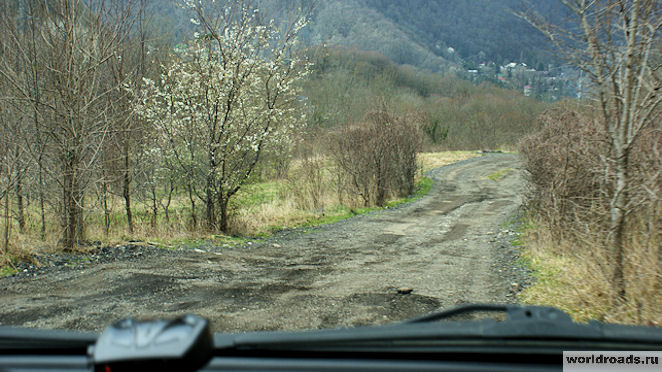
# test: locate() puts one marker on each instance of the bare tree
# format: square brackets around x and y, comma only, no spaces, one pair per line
[612,44]
[127,68]
[7,172]
[71,43]
[12,127]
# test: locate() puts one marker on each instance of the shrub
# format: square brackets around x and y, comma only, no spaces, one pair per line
[563,163]
[571,182]
[567,166]
[377,159]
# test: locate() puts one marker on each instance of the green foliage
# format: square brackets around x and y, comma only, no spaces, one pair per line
[7,264]
[336,214]
[7,271]
[257,193]
[436,132]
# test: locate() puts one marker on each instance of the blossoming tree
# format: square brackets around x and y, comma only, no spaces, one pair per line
[229,95]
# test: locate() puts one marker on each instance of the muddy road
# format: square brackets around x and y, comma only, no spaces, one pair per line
[450,247]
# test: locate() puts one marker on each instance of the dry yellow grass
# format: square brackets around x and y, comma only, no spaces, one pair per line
[288,209]
[431,160]
[259,209]
[257,219]
[575,278]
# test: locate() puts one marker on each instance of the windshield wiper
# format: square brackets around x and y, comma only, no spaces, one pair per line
[534,332]
[514,312]
[525,328]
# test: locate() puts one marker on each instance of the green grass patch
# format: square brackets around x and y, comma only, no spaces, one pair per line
[338,213]
[176,243]
[500,174]
[422,188]
[7,267]
[7,271]
[257,193]
[342,212]
[521,225]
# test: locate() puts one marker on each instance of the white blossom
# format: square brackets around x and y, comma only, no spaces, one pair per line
[212,121]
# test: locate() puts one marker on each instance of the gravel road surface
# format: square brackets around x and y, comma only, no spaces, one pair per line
[449,247]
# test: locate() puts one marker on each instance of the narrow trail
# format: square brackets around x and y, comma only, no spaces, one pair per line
[450,247]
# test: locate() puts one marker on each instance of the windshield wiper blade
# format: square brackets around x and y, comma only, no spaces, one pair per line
[514,312]
[526,326]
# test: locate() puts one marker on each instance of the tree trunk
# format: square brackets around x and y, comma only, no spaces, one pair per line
[19,204]
[194,217]
[618,219]
[106,212]
[126,191]
[155,207]
[166,206]
[72,210]
[210,201]
[223,205]
[380,197]
[42,209]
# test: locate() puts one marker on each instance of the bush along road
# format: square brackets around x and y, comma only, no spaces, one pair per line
[450,247]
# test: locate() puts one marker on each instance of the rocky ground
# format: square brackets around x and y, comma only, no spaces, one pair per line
[450,247]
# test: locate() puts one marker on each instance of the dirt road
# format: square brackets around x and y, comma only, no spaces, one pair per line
[450,247]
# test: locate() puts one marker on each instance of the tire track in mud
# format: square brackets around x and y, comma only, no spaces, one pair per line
[449,246]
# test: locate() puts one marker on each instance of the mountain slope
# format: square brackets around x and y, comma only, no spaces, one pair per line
[420,32]
[433,35]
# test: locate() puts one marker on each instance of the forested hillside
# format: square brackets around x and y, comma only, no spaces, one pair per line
[477,30]
[418,32]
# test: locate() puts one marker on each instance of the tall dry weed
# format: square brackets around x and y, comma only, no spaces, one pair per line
[308,182]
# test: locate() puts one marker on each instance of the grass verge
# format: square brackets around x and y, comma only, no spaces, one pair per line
[574,277]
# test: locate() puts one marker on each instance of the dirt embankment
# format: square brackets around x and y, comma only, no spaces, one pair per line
[450,247]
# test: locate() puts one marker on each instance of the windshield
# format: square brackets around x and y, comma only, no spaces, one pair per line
[289,165]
